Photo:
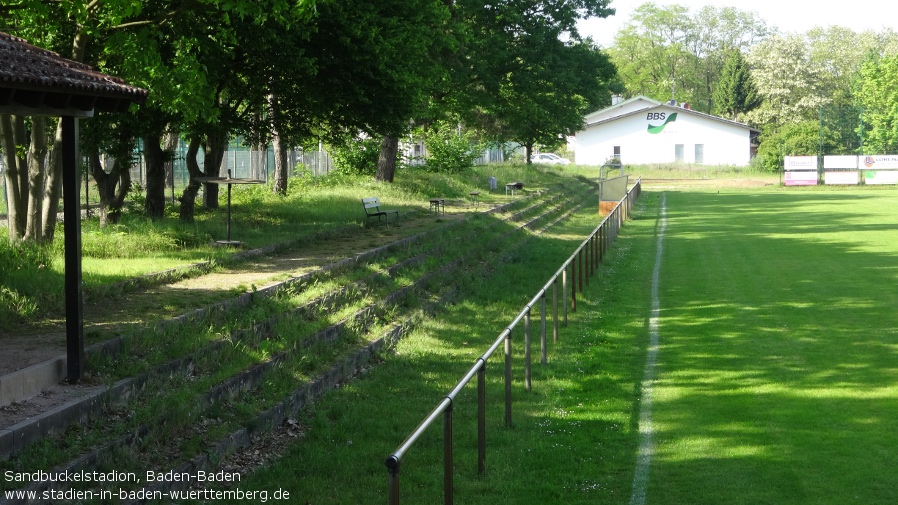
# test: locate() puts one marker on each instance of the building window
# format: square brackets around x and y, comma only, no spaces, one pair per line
[617,152]
[678,153]
[699,154]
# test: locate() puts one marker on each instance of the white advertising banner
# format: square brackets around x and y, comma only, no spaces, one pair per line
[801,178]
[847,177]
[879,162]
[839,162]
[881,177]
[800,163]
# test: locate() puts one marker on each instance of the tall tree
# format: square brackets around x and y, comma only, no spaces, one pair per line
[735,92]
[789,84]
[876,92]
[525,74]
[667,52]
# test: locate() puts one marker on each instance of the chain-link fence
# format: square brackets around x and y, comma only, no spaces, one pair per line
[242,162]
[841,130]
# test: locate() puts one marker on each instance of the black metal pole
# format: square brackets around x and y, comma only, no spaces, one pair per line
[74,315]
[229,213]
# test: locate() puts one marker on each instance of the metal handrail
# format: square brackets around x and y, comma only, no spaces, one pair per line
[594,246]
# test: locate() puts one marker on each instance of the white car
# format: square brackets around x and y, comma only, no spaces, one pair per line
[549,159]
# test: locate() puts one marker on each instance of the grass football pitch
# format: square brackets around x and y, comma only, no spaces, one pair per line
[777,365]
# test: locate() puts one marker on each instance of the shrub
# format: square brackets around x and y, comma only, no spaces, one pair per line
[356,156]
[449,150]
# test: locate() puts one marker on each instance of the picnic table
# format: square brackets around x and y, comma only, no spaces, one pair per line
[437,205]
[229,181]
[513,186]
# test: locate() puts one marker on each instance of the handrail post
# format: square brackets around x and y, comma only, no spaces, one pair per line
[542,343]
[587,260]
[508,380]
[394,484]
[595,256]
[564,291]
[573,289]
[527,340]
[555,310]
[481,419]
[580,269]
[448,463]
[602,243]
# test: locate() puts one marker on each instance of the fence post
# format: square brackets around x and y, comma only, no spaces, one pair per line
[508,380]
[573,289]
[394,484]
[448,463]
[555,310]
[527,341]
[564,293]
[481,419]
[588,259]
[595,256]
[580,268]
[542,343]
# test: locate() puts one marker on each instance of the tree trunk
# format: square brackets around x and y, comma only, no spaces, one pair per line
[53,187]
[188,197]
[215,148]
[171,142]
[112,187]
[155,158]
[37,158]
[12,133]
[281,170]
[528,151]
[386,163]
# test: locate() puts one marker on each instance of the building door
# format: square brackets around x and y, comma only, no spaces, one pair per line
[699,154]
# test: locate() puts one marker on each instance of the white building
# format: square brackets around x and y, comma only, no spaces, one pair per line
[641,131]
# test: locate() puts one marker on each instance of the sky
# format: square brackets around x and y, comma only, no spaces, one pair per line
[787,15]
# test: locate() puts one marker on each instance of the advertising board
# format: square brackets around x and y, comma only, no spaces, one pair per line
[880,176]
[791,163]
[801,178]
[843,177]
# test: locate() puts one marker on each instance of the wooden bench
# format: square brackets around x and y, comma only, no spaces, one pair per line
[512,186]
[372,209]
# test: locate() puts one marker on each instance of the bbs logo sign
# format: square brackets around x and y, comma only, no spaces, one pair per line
[659,116]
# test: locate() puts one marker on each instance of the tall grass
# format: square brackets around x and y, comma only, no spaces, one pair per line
[136,246]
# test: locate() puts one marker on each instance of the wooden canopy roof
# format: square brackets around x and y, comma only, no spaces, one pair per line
[35,81]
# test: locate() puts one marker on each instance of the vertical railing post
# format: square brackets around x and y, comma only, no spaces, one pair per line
[564,292]
[580,268]
[587,260]
[448,463]
[508,380]
[542,343]
[602,243]
[481,419]
[573,289]
[527,341]
[555,310]
[595,256]
[394,484]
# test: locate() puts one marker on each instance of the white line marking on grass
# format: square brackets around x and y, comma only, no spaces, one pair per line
[646,445]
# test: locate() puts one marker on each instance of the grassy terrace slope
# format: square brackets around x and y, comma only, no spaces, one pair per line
[197,388]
